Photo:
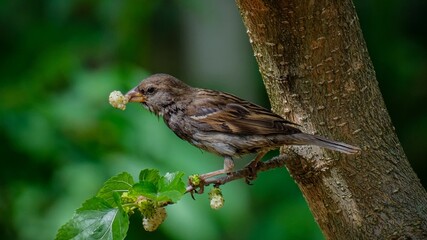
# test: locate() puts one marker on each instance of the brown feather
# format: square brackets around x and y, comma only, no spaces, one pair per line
[227,113]
[219,122]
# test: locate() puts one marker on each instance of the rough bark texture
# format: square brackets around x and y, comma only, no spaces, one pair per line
[317,72]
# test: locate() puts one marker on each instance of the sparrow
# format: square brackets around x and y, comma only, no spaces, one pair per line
[222,123]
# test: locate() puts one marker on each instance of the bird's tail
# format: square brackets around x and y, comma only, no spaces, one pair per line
[308,139]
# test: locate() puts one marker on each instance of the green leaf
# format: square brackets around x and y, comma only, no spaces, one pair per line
[168,188]
[120,183]
[149,175]
[146,189]
[171,187]
[96,219]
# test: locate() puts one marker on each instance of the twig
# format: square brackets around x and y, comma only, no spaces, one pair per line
[246,173]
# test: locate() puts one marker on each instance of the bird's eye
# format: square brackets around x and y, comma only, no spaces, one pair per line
[150,90]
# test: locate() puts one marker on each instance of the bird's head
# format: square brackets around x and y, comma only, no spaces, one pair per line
[159,92]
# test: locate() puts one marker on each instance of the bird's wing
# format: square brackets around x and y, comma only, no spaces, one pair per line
[221,112]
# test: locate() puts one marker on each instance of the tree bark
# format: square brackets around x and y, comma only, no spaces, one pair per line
[317,72]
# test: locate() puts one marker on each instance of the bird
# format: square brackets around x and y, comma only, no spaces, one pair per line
[222,123]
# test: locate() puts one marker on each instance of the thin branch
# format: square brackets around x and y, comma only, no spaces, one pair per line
[247,173]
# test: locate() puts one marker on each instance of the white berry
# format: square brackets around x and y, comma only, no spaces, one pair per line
[217,200]
[118,100]
[151,224]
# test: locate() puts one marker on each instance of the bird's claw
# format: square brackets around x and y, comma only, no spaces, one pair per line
[252,168]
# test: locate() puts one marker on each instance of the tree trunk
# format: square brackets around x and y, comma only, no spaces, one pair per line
[317,72]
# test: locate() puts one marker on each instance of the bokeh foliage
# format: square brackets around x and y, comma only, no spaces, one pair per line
[61,140]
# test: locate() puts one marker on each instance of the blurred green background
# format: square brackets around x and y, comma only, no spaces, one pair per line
[61,139]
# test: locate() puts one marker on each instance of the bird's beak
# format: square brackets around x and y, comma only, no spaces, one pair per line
[135,96]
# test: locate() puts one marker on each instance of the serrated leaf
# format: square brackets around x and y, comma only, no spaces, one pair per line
[169,196]
[146,189]
[96,219]
[172,181]
[171,187]
[120,183]
[149,175]
[168,188]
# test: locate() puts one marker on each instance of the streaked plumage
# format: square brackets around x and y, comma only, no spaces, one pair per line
[222,123]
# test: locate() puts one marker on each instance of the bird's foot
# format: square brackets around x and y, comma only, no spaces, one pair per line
[228,168]
[252,168]
[198,181]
